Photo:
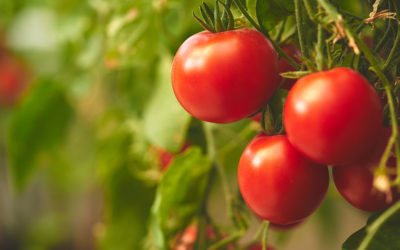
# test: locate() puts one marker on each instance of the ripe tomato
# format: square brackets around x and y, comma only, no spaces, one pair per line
[224,77]
[333,117]
[13,78]
[355,182]
[284,66]
[277,183]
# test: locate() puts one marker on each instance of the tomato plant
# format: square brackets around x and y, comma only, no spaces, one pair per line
[355,182]
[279,184]
[333,117]
[225,77]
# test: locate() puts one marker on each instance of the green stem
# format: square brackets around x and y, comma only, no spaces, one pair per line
[265,236]
[320,48]
[309,10]
[264,31]
[214,157]
[226,240]
[383,40]
[374,227]
[393,51]
[300,26]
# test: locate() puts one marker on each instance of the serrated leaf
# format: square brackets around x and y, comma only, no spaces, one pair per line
[165,120]
[270,13]
[386,238]
[39,124]
[179,196]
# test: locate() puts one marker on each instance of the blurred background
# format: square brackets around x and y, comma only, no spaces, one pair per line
[87,116]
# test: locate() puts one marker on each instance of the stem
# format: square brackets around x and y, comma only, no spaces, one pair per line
[300,26]
[226,241]
[372,229]
[393,51]
[264,31]
[265,236]
[309,10]
[381,42]
[320,48]
[214,157]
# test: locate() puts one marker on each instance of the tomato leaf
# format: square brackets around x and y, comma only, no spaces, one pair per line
[387,236]
[269,13]
[295,74]
[165,120]
[128,198]
[39,124]
[179,196]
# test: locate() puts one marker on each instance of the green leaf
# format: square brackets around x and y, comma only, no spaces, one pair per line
[39,124]
[270,13]
[127,199]
[165,121]
[295,74]
[179,196]
[386,237]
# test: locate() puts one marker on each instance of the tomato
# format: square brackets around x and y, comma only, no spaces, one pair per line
[284,66]
[355,182]
[333,117]
[224,77]
[13,78]
[279,184]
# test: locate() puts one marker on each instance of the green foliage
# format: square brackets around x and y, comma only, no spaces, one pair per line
[270,13]
[386,237]
[162,107]
[38,125]
[174,207]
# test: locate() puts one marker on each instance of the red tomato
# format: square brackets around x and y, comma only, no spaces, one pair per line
[13,79]
[277,183]
[355,182]
[333,117]
[284,66]
[224,77]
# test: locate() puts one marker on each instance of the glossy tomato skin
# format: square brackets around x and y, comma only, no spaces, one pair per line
[284,66]
[224,77]
[355,182]
[333,117]
[279,184]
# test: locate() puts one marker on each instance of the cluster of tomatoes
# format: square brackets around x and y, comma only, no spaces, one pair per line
[331,118]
